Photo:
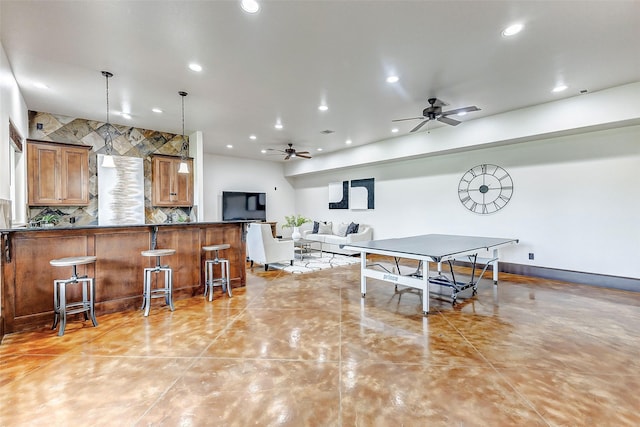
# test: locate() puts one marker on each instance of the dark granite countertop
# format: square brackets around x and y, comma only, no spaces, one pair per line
[85,227]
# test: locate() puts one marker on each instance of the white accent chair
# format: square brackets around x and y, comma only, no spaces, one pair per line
[264,249]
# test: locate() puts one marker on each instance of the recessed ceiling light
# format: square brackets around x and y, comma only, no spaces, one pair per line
[229,146]
[252,137]
[348,141]
[195,67]
[278,125]
[512,30]
[323,107]
[250,6]
[40,85]
[156,110]
[319,149]
[126,115]
[263,151]
[393,79]
[394,130]
[559,88]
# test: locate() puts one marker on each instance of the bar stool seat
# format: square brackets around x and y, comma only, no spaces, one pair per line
[167,290]
[209,280]
[61,307]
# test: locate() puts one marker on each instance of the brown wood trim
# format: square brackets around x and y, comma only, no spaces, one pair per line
[15,137]
[57,143]
[169,156]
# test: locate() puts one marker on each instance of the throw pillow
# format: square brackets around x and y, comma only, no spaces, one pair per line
[341,229]
[316,225]
[353,228]
[324,228]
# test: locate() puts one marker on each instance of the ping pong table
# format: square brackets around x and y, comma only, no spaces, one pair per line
[428,248]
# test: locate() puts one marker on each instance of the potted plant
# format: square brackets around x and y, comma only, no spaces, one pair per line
[294,221]
[49,220]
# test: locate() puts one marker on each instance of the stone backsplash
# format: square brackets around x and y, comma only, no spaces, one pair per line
[128,141]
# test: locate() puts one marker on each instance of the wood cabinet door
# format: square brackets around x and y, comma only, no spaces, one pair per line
[43,174]
[183,185]
[74,187]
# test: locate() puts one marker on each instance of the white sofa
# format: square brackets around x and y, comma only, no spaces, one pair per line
[331,241]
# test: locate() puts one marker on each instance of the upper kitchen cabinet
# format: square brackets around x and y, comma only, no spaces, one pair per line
[57,174]
[170,188]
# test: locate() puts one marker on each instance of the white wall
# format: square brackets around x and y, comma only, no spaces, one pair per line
[234,174]
[575,202]
[12,107]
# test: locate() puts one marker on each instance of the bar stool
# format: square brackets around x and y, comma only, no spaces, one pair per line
[223,280]
[167,290]
[60,305]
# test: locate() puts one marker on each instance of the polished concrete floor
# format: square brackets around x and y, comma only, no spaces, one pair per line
[306,350]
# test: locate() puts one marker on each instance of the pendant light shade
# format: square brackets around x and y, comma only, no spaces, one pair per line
[184,167]
[107,160]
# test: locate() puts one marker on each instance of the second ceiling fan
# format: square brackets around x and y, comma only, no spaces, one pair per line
[434,112]
[291,152]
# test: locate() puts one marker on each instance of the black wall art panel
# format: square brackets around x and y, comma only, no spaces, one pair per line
[339,195]
[362,193]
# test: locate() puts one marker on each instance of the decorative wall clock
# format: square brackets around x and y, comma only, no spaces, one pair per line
[485,189]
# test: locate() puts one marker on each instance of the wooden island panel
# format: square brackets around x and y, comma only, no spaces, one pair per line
[27,276]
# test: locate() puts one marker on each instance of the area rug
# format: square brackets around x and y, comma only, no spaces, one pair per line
[314,262]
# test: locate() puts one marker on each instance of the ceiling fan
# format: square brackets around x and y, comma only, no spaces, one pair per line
[434,112]
[291,152]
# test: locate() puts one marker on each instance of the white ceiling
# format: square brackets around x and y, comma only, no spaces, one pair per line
[293,55]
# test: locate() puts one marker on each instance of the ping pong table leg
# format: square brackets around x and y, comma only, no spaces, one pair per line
[363,277]
[494,267]
[425,287]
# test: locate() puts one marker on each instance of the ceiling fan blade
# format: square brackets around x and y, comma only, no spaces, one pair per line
[461,110]
[410,118]
[287,157]
[419,126]
[302,152]
[448,121]
[303,155]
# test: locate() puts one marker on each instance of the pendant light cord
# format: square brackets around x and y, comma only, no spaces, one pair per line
[108,141]
[185,147]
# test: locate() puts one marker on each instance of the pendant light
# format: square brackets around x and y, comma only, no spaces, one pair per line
[184,167]
[107,160]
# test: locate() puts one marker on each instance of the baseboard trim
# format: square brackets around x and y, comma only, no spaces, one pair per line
[601,280]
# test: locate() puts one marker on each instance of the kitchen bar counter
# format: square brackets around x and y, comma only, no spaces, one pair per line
[27,276]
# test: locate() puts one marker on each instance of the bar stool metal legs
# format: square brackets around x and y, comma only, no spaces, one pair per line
[167,290]
[209,280]
[61,308]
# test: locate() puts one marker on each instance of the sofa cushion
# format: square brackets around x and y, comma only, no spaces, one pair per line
[325,228]
[335,240]
[315,237]
[340,229]
[352,228]
[316,225]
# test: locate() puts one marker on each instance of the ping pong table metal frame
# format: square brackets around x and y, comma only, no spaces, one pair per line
[420,279]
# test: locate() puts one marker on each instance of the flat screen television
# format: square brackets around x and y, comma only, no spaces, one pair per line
[239,206]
